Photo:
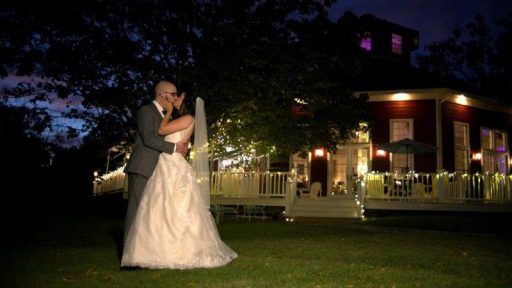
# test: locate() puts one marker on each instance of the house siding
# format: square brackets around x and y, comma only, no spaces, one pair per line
[424,128]
[476,118]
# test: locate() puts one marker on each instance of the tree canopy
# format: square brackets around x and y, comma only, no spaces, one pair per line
[477,54]
[251,61]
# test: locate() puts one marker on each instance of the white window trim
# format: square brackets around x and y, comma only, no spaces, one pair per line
[466,147]
[486,152]
[411,125]
[399,45]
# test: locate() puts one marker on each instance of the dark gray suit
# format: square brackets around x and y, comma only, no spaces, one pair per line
[144,157]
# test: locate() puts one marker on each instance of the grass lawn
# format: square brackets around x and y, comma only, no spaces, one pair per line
[81,249]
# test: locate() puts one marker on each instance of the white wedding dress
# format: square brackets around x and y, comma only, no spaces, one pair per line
[173,228]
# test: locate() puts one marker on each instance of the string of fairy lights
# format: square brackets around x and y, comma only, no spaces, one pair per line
[245,152]
[238,152]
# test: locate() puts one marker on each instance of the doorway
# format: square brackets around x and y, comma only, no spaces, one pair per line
[347,163]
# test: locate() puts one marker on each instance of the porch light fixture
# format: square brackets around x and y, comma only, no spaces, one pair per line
[381,153]
[461,99]
[477,156]
[400,97]
[319,152]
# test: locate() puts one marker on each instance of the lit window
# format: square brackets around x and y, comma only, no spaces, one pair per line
[339,171]
[362,135]
[462,149]
[401,129]
[486,139]
[461,134]
[499,139]
[396,44]
[301,165]
[366,43]
[495,150]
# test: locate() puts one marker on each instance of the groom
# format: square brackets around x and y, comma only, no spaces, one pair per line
[148,146]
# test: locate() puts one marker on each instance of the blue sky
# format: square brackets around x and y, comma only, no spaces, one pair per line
[433,19]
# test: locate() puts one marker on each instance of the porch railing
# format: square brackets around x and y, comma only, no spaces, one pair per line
[251,184]
[438,187]
[114,181]
[417,187]
[255,185]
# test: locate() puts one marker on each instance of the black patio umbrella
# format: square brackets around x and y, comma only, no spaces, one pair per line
[408,146]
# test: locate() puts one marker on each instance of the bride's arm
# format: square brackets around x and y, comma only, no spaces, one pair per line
[168,127]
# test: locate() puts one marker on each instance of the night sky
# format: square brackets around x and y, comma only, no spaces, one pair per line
[433,19]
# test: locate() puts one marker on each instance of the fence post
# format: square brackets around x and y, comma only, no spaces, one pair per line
[442,179]
[290,194]
[360,195]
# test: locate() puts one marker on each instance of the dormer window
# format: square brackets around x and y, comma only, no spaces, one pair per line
[396,44]
[366,42]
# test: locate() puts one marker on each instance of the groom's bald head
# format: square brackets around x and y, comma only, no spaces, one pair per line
[165,87]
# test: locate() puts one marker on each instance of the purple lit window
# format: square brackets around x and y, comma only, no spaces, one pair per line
[499,139]
[502,164]
[396,44]
[366,43]
[486,138]
[501,148]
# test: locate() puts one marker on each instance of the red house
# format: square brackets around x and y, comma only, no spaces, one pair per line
[469,170]
[470,132]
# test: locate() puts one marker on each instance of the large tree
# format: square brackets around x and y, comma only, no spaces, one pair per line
[25,162]
[479,54]
[249,61]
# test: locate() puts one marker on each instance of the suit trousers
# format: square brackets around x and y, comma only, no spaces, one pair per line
[136,185]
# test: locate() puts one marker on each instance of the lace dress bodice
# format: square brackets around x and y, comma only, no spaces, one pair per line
[180,136]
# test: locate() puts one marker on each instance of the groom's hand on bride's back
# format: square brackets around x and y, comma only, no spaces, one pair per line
[182,148]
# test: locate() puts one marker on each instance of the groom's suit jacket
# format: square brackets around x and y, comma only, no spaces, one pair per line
[148,143]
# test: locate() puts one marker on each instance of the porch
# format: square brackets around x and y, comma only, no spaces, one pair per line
[436,192]
[382,191]
[250,193]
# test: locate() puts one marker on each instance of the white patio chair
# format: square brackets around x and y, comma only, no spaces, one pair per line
[315,190]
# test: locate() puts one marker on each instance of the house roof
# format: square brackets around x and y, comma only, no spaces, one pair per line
[383,70]
[389,74]
[440,94]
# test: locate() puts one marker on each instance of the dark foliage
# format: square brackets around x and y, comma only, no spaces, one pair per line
[479,54]
[248,60]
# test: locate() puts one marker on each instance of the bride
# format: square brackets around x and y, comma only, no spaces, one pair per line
[173,227]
